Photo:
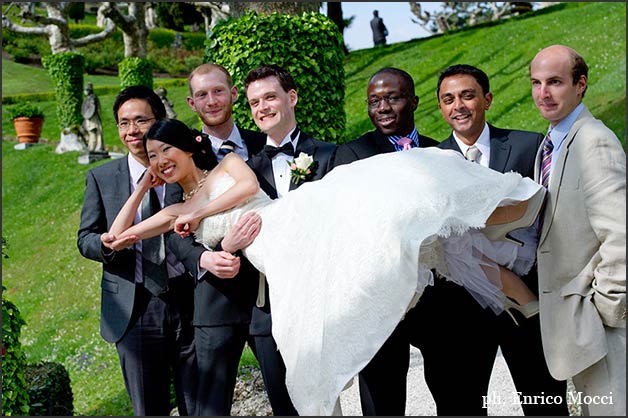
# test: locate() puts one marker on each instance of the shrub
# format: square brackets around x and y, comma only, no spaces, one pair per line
[26,110]
[135,71]
[49,389]
[309,46]
[14,388]
[66,72]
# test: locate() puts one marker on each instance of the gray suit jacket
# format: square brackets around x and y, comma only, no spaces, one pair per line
[107,188]
[582,248]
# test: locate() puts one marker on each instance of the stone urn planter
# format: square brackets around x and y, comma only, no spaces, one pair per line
[28,121]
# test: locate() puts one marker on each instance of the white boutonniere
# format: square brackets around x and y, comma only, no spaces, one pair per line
[301,167]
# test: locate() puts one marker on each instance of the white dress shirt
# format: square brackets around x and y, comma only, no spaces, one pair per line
[483,143]
[281,169]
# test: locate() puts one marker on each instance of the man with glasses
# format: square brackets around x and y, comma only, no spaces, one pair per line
[147,304]
[391,103]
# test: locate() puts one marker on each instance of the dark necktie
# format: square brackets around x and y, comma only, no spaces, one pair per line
[154,269]
[226,148]
[546,162]
[285,148]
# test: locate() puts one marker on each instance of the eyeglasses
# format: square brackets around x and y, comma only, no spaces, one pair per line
[138,123]
[374,102]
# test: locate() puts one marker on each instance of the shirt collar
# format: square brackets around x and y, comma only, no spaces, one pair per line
[559,132]
[483,143]
[234,137]
[413,135]
[136,169]
[287,138]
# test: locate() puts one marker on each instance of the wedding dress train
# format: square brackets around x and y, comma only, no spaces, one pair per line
[344,256]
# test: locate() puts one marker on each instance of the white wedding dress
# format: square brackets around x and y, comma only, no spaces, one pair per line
[344,256]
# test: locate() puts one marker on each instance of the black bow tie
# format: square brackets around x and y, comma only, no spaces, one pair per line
[271,151]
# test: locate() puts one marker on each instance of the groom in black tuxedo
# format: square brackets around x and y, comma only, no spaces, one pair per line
[391,102]
[272,96]
[457,337]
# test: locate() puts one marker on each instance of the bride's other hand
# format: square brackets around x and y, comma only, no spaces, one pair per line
[221,264]
[149,179]
[110,241]
[243,232]
[185,225]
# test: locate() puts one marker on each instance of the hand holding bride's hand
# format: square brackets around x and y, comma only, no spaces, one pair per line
[185,225]
[243,232]
[110,241]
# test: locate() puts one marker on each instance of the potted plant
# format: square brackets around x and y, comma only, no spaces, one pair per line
[28,120]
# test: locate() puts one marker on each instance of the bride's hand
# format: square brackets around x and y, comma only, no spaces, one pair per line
[149,179]
[110,241]
[185,225]
[243,232]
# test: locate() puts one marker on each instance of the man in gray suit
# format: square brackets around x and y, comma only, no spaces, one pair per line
[145,310]
[582,246]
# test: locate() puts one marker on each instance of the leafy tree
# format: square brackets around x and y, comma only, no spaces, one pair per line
[457,15]
[76,11]
[178,14]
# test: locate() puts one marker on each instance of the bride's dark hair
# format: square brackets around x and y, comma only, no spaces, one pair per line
[177,134]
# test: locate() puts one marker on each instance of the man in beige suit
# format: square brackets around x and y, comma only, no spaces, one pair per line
[582,247]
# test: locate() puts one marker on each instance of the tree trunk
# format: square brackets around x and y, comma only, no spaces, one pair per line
[334,12]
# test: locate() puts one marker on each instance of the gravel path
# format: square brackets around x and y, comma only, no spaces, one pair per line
[420,401]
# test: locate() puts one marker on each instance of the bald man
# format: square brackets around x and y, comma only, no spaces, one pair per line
[582,247]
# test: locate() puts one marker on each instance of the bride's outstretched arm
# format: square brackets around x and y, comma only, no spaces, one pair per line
[124,233]
[245,187]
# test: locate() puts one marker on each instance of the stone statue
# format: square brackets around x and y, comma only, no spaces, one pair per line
[92,124]
[170,113]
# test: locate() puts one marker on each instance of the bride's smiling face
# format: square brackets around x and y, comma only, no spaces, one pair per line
[170,163]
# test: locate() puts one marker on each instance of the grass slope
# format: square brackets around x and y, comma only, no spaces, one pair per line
[58,291]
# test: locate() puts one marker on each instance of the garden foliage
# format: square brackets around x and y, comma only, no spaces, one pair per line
[66,71]
[309,46]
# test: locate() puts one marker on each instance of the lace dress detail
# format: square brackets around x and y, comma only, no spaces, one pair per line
[345,256]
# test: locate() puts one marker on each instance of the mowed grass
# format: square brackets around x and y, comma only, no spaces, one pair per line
[58,291]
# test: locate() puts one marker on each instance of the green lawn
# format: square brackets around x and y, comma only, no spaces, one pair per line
[58,291]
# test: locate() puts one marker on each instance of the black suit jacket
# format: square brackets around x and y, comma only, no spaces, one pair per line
[107,188]
[511,150]
[219,302]
[323,154]
[370,144]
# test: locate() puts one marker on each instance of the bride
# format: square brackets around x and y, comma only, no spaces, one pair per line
[347,255]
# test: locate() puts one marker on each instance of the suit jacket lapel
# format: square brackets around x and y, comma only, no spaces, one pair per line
[556,177]
[307,146]
[500,150]
[382,143]
[261,164]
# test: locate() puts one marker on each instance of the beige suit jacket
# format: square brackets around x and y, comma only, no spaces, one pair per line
[582,248]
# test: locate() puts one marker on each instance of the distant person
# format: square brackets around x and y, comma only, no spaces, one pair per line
[582,244]
[379,29]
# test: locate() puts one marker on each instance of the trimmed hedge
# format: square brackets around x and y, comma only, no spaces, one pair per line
[309,46]
[14,388]
[66,72]
[49,390]
[135,71]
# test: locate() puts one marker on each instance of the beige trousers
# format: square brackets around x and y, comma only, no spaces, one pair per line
[602,387]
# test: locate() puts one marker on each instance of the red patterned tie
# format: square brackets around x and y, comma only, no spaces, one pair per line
[546,162]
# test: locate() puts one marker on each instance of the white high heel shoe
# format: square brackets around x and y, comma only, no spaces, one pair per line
[499,232]
[528,310]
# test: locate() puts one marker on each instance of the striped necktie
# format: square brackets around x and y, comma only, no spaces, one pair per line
[226,148]
[546,162]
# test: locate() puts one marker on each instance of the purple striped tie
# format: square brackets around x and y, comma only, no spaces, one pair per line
[546,162]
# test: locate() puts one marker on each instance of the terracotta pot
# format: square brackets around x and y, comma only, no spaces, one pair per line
[28,129]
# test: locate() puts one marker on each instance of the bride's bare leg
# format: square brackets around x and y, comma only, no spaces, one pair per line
[506,214]
[512,285]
